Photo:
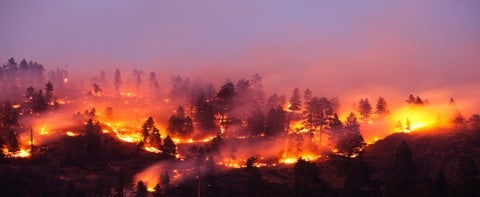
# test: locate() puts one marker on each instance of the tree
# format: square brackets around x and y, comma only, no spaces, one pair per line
[458,120]
[205,115]
[275,122]
[137,77]
[307,96]
[49,92]
[256,123]
[365,109]
[169,146]
[382,107]
[141,189]
[225,102]
[318,113]
[165,180]
[152,80]
[179,124]
[474,121]
[295,102]
[12,140]
[157,191]
[150,133]
[39,102]
[9,115]
[93,140]
[351,142]
[408,125]
[117,80]
[96,88]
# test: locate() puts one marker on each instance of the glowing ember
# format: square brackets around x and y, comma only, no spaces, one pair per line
[152,149]
[43,131]
[71,133]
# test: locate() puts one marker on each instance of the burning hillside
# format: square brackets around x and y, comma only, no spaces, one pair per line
[196,131]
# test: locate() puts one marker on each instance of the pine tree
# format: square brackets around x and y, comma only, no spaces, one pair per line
[12,140]
[9,115]
[307,96]
[157,191]
[382,107]
[169,146]
[351,142]
[165,180]
[205,115]
[117,80]
[141,189]
[256,123]
[365,109]
[49,92]
[295,102]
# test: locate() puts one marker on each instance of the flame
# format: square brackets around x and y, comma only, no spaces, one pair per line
[152,149]
[22,153]
[71,133]
[65,80]
[43,131]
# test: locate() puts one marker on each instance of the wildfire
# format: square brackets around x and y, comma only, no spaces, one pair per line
[291,159]
[22,153]
[43,131]
[71,133]
[152,149]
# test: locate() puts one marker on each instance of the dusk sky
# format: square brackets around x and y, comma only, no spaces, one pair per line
[333,47]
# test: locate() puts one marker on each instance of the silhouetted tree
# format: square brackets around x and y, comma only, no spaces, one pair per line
[474,121]
[157,191]
[117,80]
[225,102]
[365,109]
[39,102]
[9,115]
[275,101]
[458,120]
[96,88]
[179,124]
[275,122]
[415,100]
[150,133]
[152,80]
[12,141]
[256,123]
[141,189]
[351,142]
[408,125]
[165,180]
[93,140]
[295,102]
[205,115]
[169,146]
[137,77]
[307,96]
[318,113]
[382,107]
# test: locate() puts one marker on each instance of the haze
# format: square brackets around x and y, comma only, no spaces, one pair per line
[361,48]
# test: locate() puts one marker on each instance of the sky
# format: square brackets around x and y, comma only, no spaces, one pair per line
[335,48]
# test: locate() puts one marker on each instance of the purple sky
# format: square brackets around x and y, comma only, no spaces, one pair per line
[333,47]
